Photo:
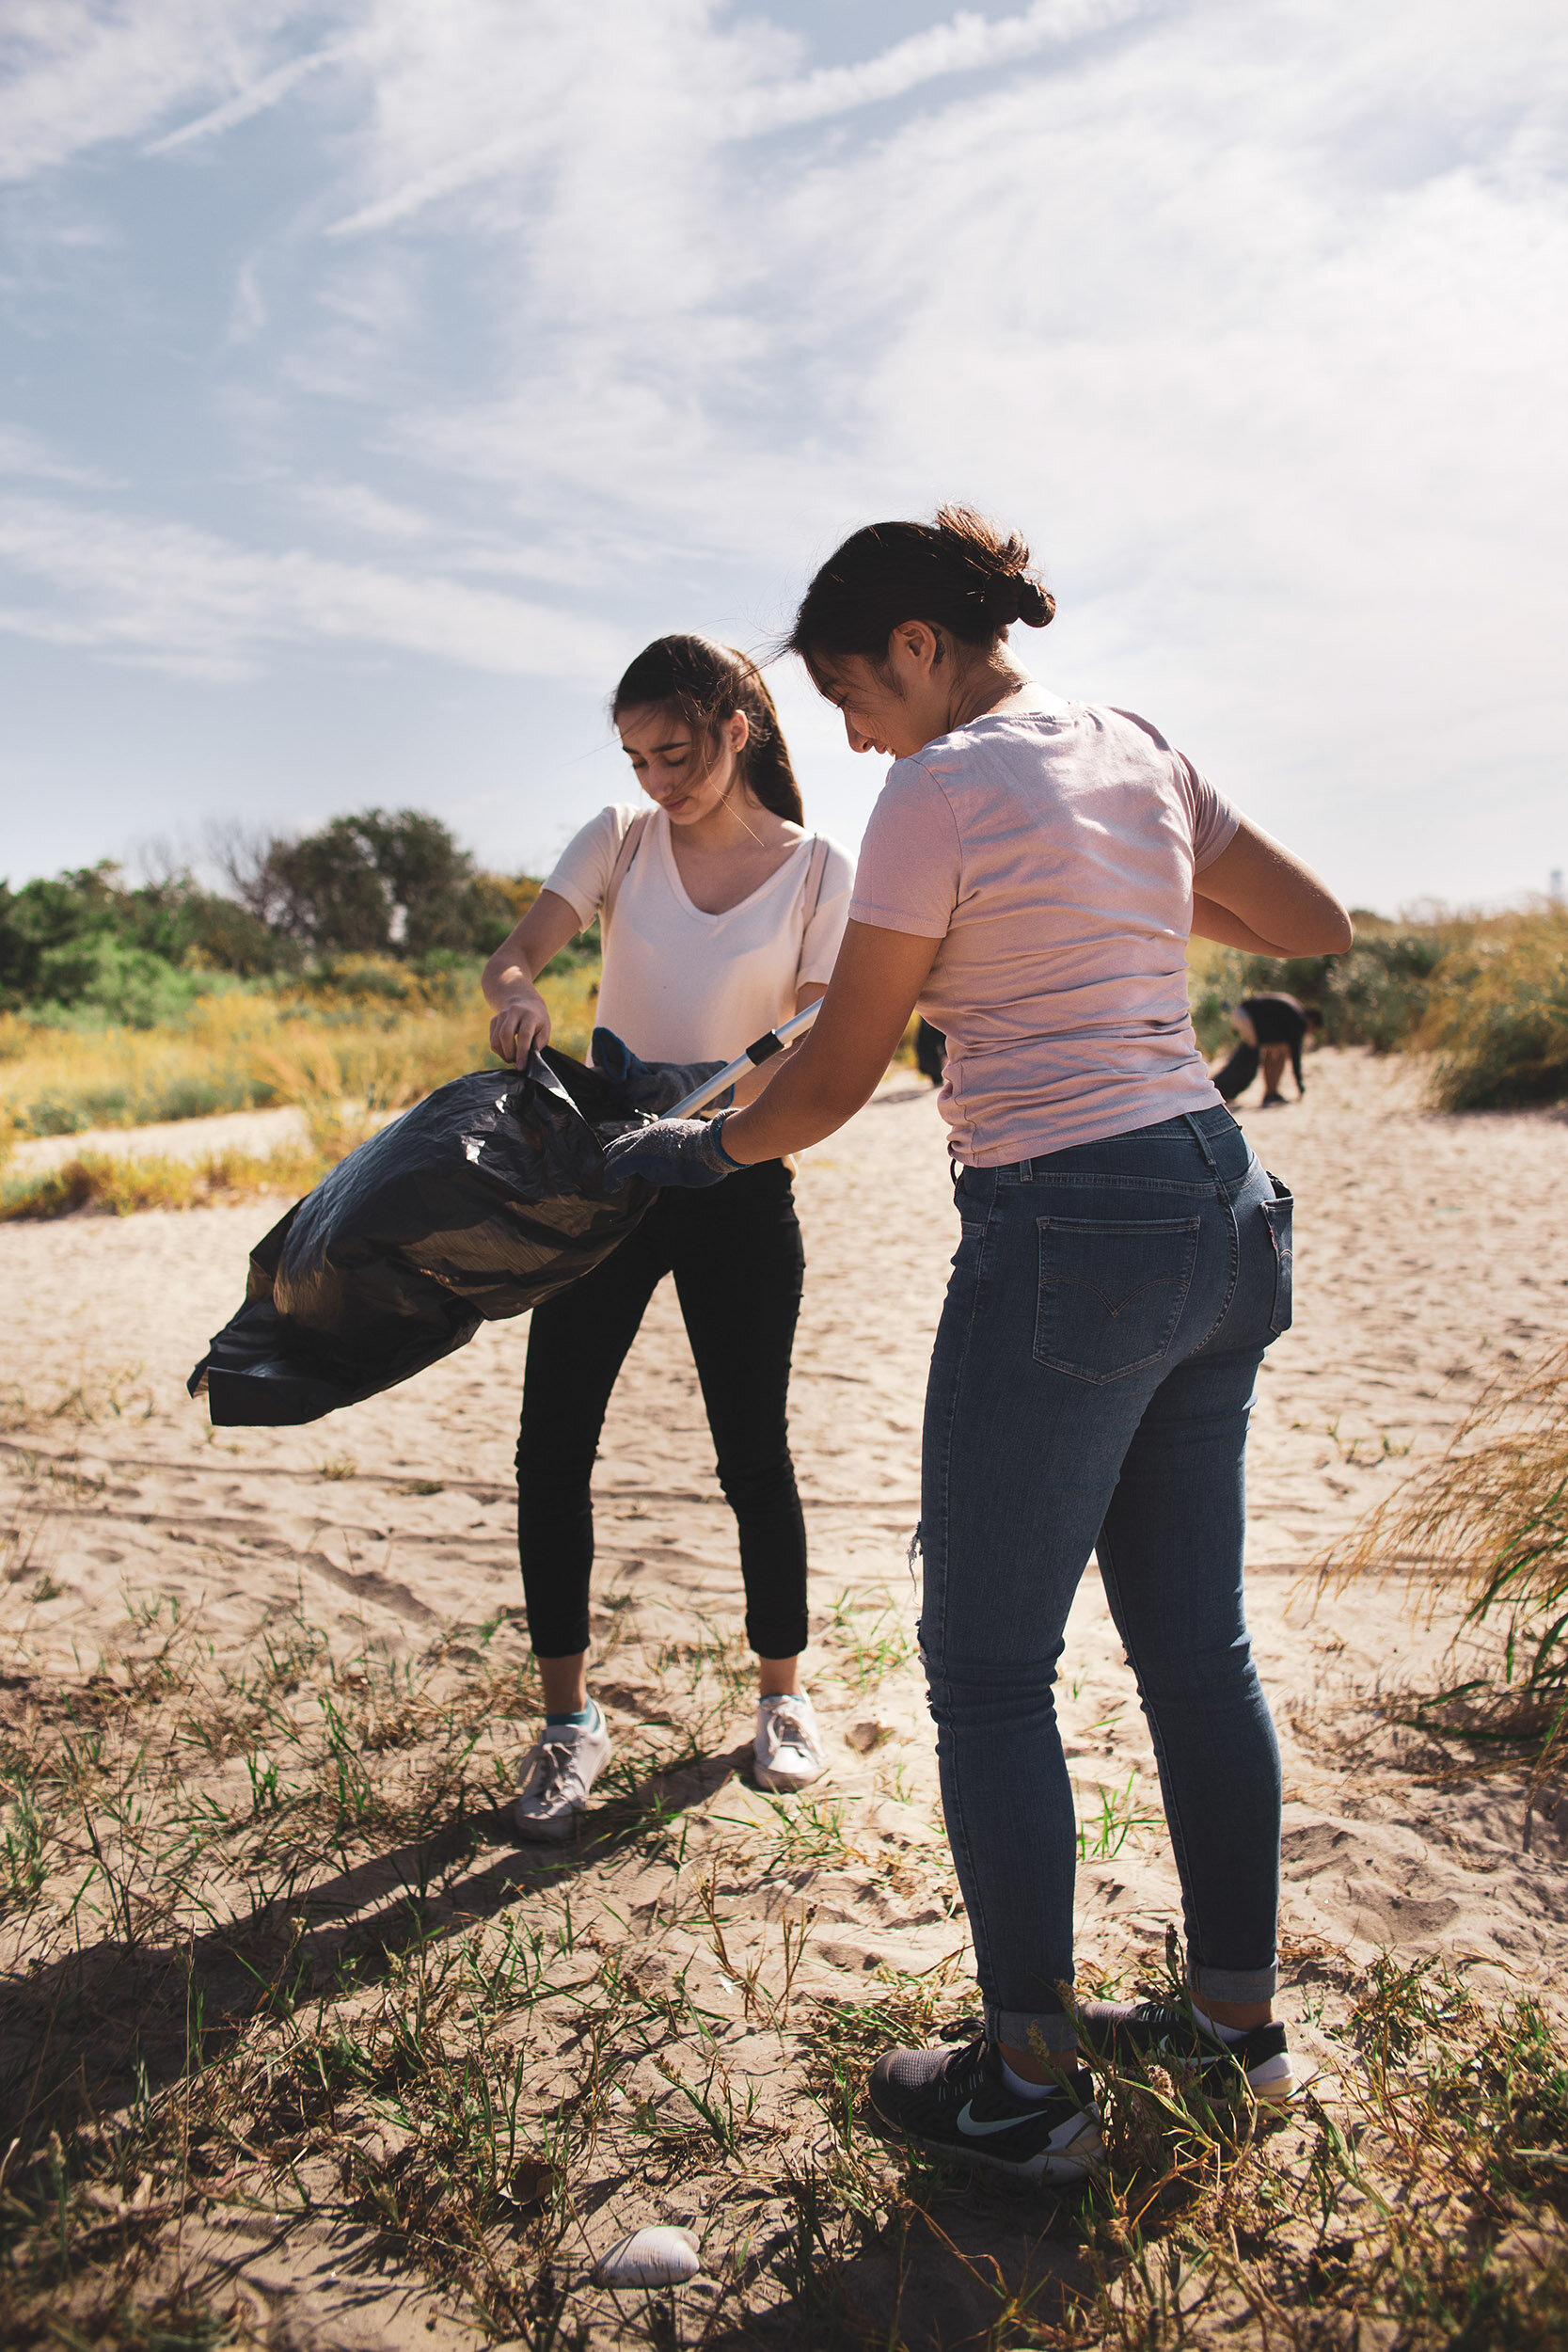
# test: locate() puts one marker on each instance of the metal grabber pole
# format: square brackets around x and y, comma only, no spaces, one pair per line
[762,1050]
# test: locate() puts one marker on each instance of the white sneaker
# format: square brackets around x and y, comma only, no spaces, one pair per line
[563,1765]
[788,1745]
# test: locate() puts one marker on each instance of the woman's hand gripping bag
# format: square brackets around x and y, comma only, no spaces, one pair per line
[481,1202]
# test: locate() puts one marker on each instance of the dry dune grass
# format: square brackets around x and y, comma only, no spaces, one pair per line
[346,1068]
[276,1973]
[1490,1516]
[345,1091]
[56,1080]
[379,1027]
[118,1185]
[1496,1016]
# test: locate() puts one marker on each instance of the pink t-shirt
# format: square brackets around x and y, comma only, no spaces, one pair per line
[1051,850]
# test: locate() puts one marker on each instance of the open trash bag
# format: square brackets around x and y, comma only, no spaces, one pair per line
[480,1202]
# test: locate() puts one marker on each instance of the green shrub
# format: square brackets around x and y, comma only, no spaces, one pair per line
[104,975]
[1375,995]
[84,939]
[382,883]
[1485,995]
[379,890]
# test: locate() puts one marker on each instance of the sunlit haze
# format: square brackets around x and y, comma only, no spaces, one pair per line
[380,376]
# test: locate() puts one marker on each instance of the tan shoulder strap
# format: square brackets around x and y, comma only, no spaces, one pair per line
[811,898]
[631,841]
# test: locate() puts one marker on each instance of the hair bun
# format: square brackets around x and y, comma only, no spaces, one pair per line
[962,573]
[1010,596]
[999,595]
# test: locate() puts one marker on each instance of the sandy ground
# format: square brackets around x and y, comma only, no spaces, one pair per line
[1426,1261]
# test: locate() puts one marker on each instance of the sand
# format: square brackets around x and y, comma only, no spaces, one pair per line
[1426,1263]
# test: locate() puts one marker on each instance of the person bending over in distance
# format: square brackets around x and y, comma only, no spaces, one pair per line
[1271,1029]
[930,1053]
[1029,877]
[721,915]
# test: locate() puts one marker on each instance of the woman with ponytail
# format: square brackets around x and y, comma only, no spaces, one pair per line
[1029,879]
[719,916]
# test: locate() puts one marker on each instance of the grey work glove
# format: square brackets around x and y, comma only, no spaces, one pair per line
[671,1152]
[652,1086]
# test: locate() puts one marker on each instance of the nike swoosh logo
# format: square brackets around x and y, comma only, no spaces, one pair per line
[973,2130]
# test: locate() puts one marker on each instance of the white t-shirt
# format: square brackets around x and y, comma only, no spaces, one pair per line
[679,985]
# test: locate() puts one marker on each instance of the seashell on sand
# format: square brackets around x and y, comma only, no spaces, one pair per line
[657,2257]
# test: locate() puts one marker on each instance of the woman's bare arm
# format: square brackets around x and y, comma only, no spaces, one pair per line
[522,1017]
[838,1067]
[1257,896]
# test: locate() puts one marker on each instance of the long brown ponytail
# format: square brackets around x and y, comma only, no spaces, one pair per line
[708,683]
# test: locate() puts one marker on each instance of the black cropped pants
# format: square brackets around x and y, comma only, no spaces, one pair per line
[735,1250]
[1238,1073]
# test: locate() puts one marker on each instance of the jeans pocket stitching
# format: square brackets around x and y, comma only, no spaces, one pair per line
[1050,1343]
[1188,1188]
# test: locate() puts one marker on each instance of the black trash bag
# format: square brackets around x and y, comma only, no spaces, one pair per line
[481,1202]
[653,1086]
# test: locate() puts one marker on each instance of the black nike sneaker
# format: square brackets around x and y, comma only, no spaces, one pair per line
[1159,2033]
[954,2103]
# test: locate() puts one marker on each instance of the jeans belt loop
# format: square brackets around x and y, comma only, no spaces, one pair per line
[1202,1142]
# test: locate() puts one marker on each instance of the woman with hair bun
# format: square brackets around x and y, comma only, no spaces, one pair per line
[721,915]
[1029,879]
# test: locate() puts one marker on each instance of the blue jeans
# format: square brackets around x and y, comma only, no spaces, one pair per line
[1090,1387]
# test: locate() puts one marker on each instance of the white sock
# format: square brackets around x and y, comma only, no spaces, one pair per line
[1022,2088]
[1223,2033]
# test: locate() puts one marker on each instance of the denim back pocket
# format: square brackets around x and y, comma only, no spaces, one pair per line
[1111,1293]
[1279,1214]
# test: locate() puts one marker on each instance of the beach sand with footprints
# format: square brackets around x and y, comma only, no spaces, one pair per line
[276,1687]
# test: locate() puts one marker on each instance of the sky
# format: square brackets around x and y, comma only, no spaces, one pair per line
[377,376]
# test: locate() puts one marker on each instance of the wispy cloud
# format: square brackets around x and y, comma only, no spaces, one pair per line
[1239,307]
[490,160]
[29,456]
[691,80]
[971,43]
[80,74]
[246,103]
[354,506]
[247,313]
[186,602]
[487,91]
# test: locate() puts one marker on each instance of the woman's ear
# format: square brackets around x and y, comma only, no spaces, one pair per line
[920,646]
[737,731]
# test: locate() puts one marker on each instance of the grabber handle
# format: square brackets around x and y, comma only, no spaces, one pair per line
[762,1050]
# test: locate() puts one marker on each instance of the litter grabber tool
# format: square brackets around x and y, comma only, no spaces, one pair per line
[756,1055]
